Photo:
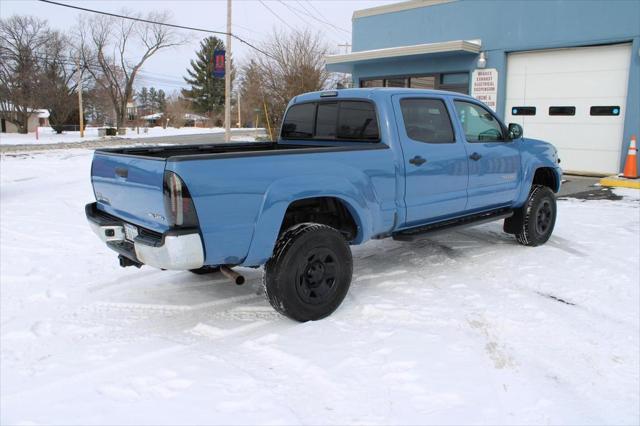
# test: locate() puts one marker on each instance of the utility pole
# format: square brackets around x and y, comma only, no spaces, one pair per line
[239,115]
[347,47]
[79,88]
[227,78]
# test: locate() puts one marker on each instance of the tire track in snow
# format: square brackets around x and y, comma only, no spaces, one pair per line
[75,379]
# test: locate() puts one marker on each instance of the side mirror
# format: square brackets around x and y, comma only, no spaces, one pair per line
[515,131]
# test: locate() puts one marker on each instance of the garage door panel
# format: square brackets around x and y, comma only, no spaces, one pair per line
[594,137]
[564,85]
[579,77]
[587,161]
[596,58]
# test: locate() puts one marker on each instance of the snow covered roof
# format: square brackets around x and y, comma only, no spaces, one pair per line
[42,113]
[152,116]
[195,117]
[187,116]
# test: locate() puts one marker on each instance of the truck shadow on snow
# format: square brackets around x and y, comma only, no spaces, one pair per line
[185,302]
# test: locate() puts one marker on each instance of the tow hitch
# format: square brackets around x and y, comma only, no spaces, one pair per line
[125,261]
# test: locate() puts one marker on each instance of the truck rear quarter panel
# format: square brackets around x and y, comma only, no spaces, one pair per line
[241,201]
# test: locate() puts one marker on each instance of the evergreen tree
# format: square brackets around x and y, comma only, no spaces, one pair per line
[142,97]
[153,99]
[206,92]
[162,101]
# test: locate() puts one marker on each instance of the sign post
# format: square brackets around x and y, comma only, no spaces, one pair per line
[484,86]
[227,80]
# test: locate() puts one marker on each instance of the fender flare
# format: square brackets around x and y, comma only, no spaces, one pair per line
[280,194]
[527,179]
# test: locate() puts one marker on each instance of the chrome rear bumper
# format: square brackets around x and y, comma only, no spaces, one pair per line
[175,249]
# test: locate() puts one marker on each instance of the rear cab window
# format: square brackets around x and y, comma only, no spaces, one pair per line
[347,120]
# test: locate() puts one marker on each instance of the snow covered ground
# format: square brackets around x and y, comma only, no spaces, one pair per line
[464,328]
[48,136]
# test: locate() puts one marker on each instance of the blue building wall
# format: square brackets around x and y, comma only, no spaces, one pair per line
[503,27]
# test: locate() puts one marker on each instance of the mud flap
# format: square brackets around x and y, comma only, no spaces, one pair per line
[514,224]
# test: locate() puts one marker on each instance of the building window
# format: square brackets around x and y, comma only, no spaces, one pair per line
[453,82]
[523,110]
[372,83]
[562,110]
[604,110]
[427,120]
[397,82]
[424,82]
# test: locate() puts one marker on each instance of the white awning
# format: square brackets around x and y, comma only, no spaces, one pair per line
[343,63]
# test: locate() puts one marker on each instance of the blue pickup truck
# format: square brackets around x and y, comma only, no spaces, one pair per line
[349,166]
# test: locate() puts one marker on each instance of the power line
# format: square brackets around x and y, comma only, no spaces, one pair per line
[298,14]
[182,27]
[277,16]
[306,12]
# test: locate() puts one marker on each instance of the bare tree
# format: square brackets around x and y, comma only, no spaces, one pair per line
[59,80]
[295,65]
[252,92]
[176,109]
[22,41]
[108,46]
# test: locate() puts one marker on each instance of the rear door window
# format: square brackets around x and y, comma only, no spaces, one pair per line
[357,120]
[427,120]
[299,122]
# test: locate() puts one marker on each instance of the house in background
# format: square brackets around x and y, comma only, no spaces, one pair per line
[40,118]
[567,71]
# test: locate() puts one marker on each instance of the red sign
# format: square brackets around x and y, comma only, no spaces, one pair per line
[218,63]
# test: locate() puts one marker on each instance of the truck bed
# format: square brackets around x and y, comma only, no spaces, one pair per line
[226,150]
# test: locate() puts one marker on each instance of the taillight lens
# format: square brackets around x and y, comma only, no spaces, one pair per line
[178,203]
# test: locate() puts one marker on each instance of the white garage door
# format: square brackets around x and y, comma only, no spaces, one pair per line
[574,98]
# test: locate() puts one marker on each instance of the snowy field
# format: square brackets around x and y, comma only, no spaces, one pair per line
[48,136]
[464,328]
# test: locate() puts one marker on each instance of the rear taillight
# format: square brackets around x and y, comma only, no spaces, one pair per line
[178,203]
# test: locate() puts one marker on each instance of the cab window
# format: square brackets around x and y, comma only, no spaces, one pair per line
[335,120]
[478,123]
[357,121]
[299,121]
[427,120]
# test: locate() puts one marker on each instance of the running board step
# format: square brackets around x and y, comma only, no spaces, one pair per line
[453,224]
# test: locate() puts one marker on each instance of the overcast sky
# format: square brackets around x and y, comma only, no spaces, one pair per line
[252,21]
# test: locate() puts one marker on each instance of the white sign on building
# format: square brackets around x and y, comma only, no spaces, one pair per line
[484,86]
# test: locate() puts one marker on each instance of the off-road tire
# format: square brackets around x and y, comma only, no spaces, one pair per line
[309,274]
[538,217]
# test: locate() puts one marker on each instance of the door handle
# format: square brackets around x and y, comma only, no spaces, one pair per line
[417,161]
[122,172]
[475,156]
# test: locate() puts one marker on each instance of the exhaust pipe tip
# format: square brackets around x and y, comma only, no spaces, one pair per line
[232,275]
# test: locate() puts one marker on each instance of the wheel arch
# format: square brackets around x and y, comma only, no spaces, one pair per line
[546,176]
[282,197]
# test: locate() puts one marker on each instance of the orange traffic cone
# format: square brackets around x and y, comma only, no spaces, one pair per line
[631,165]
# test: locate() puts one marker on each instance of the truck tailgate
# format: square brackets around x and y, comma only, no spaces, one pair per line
[130,188]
